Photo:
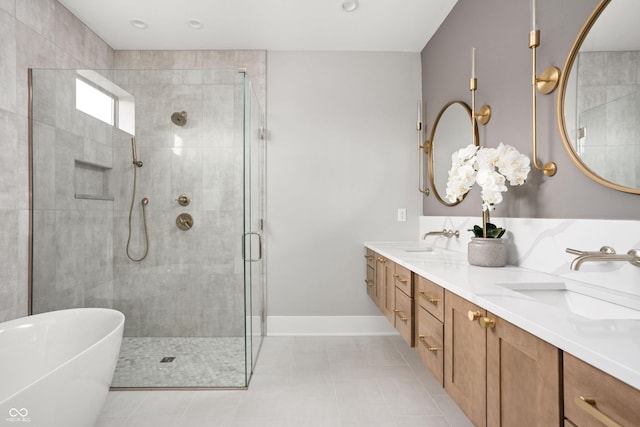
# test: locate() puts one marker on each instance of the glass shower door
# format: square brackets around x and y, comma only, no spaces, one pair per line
[254,160]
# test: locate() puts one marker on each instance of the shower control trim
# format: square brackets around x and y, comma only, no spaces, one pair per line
[184,221]
[183,200]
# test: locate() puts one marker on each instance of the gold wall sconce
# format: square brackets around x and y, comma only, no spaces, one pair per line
[421,148]
[483,115]
[544,83]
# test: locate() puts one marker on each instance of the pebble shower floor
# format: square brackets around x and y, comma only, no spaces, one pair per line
[197,362]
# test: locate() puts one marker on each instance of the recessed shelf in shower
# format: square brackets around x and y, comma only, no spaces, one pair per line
[91,181]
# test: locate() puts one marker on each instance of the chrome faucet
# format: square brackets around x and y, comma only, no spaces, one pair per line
[447,233]
[606,253]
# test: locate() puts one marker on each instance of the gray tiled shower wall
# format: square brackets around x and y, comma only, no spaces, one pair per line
[191,283]
[608,105]
[44,34]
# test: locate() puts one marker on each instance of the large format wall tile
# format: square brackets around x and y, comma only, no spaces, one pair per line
[7,62]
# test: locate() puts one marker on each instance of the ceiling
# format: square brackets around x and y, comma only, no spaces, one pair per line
[376,25]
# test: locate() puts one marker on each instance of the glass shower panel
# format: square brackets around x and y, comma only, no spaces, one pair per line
[254,224]
[184,302]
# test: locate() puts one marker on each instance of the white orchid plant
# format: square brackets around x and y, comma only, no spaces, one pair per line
[491,168]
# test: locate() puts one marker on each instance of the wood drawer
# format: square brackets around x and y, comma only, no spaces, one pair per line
[370,278]
[614,399]
[370,256]
[404,316]
[430,342]
[430,296]
[402,280]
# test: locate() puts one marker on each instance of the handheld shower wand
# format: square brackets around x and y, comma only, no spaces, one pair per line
[145,201]
[136,162]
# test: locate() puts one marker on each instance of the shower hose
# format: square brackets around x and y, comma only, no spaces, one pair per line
[144,203]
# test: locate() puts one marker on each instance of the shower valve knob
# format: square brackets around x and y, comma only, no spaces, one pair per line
[184,221]
[183,200]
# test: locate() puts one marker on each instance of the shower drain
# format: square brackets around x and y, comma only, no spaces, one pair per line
[167,359]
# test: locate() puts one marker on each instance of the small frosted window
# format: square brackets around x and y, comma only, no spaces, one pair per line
[95,102]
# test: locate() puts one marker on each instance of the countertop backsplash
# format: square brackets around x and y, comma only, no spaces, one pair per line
[539,244]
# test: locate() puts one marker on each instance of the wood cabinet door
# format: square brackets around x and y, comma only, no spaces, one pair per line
[523,378]
[465,376]
[387,293]
[381,270]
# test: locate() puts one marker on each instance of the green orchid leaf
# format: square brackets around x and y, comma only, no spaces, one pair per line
[493,232]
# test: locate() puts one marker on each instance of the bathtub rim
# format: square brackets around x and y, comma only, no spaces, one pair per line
[20,320]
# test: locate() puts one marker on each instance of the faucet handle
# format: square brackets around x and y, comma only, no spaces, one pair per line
[574,251]
[603,250]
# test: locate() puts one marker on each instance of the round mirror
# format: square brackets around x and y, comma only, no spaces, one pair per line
[598,109]
[453,129]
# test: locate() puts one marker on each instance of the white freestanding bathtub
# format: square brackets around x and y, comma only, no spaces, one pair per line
[56,367]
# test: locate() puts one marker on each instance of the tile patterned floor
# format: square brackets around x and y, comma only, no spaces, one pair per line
[199,362]
[305,382]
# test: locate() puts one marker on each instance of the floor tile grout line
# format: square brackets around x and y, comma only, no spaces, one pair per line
[435,403]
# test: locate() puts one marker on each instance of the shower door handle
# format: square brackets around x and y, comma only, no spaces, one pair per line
[244,247]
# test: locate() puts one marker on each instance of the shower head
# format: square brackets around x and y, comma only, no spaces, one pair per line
[179,118]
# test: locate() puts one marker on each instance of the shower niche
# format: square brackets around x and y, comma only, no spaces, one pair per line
[194,304]
[91,181]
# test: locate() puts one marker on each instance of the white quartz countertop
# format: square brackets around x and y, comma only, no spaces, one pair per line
[613,346]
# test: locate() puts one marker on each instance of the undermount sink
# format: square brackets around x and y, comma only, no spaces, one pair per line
[587,301]
[419,250]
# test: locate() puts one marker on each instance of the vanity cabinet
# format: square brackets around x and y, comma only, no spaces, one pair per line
[594,398]
[497,373]
[390,286]
[429,325]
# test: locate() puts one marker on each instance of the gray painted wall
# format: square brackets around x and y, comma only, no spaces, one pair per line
[341,158]
[499,30]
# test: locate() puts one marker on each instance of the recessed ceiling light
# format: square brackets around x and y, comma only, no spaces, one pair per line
[350,5]
[138,23]
[194,23]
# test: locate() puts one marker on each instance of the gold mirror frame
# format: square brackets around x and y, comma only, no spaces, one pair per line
[429,147]
[560,110]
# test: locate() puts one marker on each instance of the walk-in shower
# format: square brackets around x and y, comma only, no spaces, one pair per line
[182,258]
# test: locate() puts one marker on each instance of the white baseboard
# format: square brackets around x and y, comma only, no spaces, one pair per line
[329,325]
